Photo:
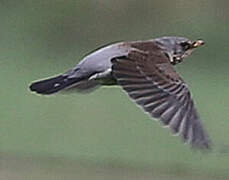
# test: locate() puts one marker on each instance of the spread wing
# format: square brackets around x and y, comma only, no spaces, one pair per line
[150,80]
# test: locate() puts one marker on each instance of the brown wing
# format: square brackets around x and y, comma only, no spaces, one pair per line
[152,82]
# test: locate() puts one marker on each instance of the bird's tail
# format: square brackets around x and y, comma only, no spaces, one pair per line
[61,82]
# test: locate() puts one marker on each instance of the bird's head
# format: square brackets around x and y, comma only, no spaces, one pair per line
[177,48]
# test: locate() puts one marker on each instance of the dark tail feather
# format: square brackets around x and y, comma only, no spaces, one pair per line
[52,85]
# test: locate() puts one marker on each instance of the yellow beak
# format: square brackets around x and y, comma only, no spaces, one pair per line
[197,43]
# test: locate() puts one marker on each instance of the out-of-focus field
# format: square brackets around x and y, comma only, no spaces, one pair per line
[37,168]
[103,135]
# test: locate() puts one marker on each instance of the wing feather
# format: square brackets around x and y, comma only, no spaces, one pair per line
[150,80]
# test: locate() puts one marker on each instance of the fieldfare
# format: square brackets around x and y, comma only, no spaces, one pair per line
[144,69]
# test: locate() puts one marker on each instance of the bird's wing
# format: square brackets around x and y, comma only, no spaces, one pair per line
[150,80]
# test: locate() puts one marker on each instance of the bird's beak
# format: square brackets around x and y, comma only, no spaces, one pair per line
[197,43]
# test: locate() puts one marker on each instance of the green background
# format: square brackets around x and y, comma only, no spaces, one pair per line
[103,135]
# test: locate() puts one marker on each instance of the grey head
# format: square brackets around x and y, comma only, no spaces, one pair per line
[177,48]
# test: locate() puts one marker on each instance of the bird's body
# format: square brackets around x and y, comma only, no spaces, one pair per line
[144,70]
[100,60]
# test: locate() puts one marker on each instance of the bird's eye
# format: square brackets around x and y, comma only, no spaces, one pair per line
[185,45]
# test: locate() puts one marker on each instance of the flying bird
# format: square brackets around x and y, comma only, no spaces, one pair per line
[144,70]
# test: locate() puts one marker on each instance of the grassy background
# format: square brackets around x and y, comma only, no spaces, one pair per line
[103,135]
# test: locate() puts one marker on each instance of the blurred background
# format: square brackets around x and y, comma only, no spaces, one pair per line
[103,135]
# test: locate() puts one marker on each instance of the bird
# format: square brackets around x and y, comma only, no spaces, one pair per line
[145,71]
